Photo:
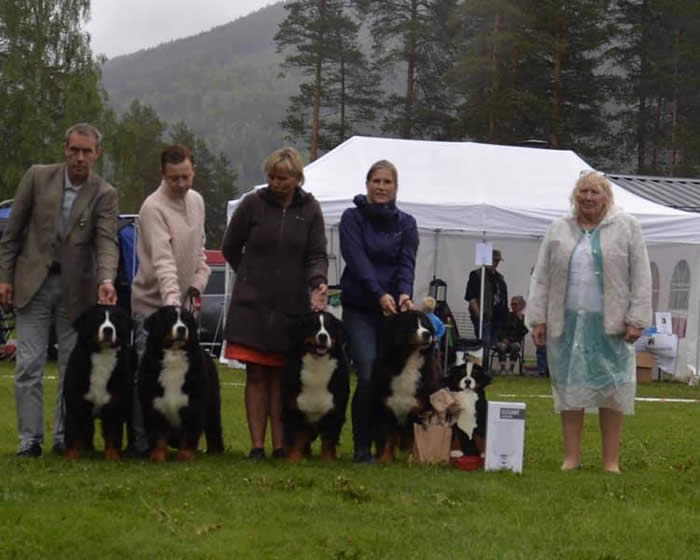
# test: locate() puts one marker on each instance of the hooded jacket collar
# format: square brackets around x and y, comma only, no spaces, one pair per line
[382,215]
[299,198]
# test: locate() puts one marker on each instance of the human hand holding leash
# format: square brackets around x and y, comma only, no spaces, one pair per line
[6,293]
[106,294]
[405,302]
[387,305]
[319,297]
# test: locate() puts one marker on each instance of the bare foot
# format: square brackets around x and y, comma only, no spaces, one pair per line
[570,466]
[614,469]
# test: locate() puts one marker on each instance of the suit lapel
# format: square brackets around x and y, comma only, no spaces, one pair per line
[82,201]
[55,195]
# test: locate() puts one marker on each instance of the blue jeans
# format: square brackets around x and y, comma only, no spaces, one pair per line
[542,365]
[33,324]
[361,328]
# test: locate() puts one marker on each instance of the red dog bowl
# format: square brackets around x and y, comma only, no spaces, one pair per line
[469,463]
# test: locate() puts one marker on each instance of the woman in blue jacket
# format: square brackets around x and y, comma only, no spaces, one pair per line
[378,243]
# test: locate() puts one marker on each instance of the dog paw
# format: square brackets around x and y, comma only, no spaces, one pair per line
[185,455]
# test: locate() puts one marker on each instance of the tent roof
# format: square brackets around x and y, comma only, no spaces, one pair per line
[504,191]
[682,193]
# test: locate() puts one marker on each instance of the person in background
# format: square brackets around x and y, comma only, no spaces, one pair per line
[276,244]
[511,336]
[58,256]
[495,309]
[172,262]
[590,299]
[378,243]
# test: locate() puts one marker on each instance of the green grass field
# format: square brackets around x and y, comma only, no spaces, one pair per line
[226,507]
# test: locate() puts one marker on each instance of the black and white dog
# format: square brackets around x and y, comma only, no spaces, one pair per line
[98,381]
[403,379]
[467,383]
[315,386]
[178,387]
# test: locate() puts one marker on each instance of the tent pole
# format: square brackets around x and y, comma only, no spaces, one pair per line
[481,296]
[436,252]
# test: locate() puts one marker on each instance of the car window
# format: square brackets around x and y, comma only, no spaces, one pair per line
[217,281]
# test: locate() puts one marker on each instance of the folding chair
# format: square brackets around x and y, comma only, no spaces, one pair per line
[521,356]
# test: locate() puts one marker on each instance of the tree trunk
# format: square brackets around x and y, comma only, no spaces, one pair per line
[495,82]
[557,87]
[341,128]
[411,47]
[644,69]
[676,102]
[316,100]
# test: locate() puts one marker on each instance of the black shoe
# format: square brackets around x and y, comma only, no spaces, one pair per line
[256,454]
[279,453]
[363,457]
[59,448]
[33,451]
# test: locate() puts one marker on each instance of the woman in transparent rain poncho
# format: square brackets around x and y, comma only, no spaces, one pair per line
[590,299]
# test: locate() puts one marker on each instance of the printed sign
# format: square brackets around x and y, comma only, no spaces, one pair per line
[484,253]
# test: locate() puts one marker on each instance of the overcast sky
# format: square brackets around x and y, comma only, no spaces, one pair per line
[124,26]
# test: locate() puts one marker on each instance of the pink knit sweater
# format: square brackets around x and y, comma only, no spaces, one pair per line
[170,249]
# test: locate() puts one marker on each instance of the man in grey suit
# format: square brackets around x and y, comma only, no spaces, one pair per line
[58,256]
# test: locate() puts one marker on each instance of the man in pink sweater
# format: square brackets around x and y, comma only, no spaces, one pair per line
[170,249]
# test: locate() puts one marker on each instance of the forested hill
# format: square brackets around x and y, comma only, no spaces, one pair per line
[224,83]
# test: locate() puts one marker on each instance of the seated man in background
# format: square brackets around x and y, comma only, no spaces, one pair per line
[509,343]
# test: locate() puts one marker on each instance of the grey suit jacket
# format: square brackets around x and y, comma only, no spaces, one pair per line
[89,249]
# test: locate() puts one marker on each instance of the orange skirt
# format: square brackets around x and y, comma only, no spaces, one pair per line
[246,354]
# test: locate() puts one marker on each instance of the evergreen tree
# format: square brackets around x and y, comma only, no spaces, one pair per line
[214,179]
[133,156]
[48,81]
[342,90]
[657,50]
[415,37]
[536,69]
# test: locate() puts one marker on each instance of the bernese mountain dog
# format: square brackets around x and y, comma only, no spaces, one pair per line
[403,379]
[178,387]
[315,386]
[467,383]
[98,381]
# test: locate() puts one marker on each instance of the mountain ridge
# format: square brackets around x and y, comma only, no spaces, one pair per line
[225,83]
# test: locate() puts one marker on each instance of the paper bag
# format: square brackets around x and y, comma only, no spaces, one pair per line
[431,442]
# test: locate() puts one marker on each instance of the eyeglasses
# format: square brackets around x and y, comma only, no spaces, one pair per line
[174,179]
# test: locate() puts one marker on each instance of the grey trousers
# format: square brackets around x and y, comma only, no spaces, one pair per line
[33,322]
[140,442]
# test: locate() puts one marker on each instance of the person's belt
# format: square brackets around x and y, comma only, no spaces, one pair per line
[55,268]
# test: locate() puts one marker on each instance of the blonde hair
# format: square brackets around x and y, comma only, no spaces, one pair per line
[429,304]
[285,159]
[592,178]
[383,164]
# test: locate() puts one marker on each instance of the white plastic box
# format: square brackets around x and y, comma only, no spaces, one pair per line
[505,436]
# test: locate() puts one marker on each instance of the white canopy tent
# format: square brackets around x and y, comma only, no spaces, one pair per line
[463,192]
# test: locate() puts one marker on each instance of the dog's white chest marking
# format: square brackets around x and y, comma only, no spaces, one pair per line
[467,416]
[172,377]
[103,364]
[403,387]
[314,399]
